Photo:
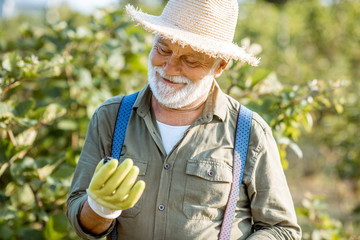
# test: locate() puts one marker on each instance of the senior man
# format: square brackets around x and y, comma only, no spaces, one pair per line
[181,125]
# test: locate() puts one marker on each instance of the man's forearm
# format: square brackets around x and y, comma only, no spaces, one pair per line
[92,222]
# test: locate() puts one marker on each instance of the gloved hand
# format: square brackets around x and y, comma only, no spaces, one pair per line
[113,187]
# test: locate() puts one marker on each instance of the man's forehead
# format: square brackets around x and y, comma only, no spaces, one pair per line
[187,49]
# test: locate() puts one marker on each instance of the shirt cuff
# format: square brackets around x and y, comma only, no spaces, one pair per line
[103,211]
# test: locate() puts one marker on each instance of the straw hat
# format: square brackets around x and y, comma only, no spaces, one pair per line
[208,26]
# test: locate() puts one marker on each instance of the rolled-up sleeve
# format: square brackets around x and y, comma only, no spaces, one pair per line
[91,154]
[271,203]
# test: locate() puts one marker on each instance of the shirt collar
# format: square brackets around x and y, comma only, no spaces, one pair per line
[143,101]
[215,105]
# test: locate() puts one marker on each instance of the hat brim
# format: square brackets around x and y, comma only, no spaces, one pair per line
[209,46]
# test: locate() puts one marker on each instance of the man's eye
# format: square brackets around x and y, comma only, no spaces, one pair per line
[162,50]
[191,63]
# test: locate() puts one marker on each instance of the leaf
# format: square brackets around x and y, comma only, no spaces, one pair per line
[8,151]
[116,61]
[27,137]
[3,199]
[47,192]
[24,170]
[307,121]
[26,122]
[52,112]
[56,228]
[47,166]
[270,84]
[85,78]
[64,171]
[5,110]
[284,163]
[25,232]
[258,76]
[23,197]
[7,213]
[72,160]
[9,64]
[6,65]
[68,125]
[24,107]
[338,107]
[293,146]
[83,32]
[6,232]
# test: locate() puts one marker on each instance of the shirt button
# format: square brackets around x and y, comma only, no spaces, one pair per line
[161,207]
[166,166]
[211,173]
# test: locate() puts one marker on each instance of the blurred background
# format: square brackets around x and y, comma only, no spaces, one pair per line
[59,60]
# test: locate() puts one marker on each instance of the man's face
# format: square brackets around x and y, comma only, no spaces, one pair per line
[179,76]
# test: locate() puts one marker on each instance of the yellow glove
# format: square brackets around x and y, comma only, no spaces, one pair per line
[113,187]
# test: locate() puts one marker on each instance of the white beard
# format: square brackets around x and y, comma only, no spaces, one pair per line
[177,98]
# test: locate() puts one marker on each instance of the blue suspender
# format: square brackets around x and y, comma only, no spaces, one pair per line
[122,120]
[240,153]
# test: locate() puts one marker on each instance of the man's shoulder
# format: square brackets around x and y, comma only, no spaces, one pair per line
[111,102]
[110,105]
[259,123]
[107,111]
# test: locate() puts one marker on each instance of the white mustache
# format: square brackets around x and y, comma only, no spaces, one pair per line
[175,79]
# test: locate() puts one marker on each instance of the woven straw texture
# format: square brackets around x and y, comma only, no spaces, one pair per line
[208,26]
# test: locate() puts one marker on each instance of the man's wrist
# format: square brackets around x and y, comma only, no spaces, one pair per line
[91,222]
[103,211]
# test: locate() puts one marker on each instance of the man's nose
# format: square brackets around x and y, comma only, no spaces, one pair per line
[172,66]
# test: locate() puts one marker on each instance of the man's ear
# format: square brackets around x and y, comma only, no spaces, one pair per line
[220,68]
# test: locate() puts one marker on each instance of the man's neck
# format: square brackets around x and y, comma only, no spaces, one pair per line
[177,117]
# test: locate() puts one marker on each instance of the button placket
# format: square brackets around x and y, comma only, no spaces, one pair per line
[162,198]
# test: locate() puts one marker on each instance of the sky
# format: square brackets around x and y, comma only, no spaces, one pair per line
[87,6]
[10,7]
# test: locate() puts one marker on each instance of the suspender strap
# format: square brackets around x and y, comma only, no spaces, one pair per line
[122,120]
[240,153]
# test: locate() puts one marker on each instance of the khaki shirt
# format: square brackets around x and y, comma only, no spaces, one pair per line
[183,201]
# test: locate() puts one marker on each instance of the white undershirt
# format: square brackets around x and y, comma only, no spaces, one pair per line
[170,135]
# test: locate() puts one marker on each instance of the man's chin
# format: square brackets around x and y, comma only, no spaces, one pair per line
[169,104]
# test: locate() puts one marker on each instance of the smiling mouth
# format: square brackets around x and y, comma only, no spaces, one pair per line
[167,81]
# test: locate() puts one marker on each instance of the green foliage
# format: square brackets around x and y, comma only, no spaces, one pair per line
[287,109]
[318,224]
[306,40]
[53,76]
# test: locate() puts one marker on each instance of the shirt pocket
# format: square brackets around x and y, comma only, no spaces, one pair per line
[134,211]
[208,184]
